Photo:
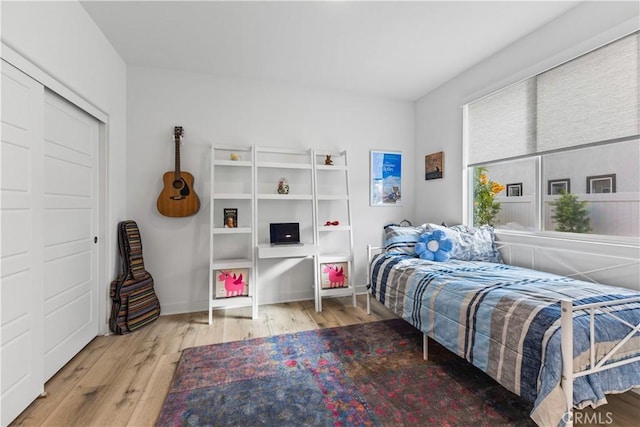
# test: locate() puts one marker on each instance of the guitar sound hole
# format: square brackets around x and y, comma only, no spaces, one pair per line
[177,184]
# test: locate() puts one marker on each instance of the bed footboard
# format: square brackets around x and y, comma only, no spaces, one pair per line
[595,364]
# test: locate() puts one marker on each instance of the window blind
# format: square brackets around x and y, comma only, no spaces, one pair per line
[593,98]
[502,125]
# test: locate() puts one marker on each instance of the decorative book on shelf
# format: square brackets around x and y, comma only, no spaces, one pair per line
[232,283]
[230,218]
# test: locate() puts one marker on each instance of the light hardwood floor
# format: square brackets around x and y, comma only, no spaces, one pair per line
[123,380]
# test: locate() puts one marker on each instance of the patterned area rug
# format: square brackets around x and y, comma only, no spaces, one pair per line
[368,374]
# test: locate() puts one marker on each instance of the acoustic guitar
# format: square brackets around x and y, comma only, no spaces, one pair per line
[178,198]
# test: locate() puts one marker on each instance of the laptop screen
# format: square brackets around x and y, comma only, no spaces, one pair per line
[284,233]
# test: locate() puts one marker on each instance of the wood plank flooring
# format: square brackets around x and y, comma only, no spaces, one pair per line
[123,380]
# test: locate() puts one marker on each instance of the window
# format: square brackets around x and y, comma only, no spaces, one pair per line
[612,209]
[506,206]
[566,139]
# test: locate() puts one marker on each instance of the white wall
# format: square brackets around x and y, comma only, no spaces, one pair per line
[439,113]
[233,111]
[61,39]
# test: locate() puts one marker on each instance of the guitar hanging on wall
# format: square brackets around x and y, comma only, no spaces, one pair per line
[178,198]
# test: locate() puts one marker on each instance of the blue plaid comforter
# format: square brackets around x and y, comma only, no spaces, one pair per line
[505,320]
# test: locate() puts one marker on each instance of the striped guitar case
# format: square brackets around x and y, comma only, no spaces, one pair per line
[134,301]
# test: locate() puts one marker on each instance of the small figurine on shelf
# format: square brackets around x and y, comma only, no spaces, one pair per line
[234,156]
[328,160]
[283,186]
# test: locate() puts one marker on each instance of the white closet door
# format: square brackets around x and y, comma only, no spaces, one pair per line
[21,253]
[70,224]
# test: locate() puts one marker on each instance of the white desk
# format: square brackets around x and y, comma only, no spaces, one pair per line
[265,250]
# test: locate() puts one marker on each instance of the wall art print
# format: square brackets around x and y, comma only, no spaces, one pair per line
[386,178]
[434,166]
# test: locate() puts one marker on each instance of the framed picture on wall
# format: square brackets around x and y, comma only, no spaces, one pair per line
[601,184]
[434,166]
[558,186]
[514,190]
[334,275]
[386,178]
[233,282]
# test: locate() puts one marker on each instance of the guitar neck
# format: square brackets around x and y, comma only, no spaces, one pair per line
[177,141]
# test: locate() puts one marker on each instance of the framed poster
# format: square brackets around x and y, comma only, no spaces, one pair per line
[334,275]
[233,282]
[386,178]
[434,166]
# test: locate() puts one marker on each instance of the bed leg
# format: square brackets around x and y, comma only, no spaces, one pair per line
[566,330]
[425,347]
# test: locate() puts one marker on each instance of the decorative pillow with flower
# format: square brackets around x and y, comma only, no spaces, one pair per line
[434,246]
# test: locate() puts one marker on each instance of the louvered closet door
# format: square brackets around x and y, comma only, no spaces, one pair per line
[21,253]
[70,224]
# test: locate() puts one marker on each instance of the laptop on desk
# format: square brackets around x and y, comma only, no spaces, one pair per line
[284,233]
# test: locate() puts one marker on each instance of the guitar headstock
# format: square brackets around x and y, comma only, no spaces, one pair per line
[178,132]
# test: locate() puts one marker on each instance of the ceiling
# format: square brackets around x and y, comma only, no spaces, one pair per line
[398,50]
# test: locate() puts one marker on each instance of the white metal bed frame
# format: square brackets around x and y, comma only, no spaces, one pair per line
[566,327]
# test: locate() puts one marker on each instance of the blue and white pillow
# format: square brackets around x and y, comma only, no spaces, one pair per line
[471,244]
[401,240]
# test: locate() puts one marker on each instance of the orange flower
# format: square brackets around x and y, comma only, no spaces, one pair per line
[496,188]
[483,178]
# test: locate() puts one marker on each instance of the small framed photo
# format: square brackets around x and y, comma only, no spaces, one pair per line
[230,218]
[334,275]
[514,190]
[601,184]
[233,282]
[434,166]
[557,187]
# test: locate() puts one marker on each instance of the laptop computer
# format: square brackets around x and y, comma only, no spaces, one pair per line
[284,233]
